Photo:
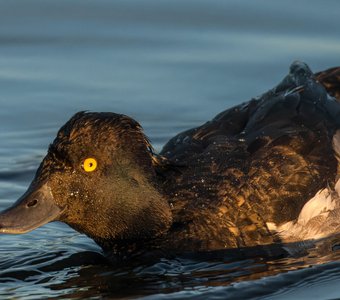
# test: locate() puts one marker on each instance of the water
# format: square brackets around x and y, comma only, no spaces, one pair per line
[171,65]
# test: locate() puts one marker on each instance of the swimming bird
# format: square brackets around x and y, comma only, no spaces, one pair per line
[263,172]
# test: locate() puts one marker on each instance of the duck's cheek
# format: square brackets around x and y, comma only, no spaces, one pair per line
[65,188]
[34,209]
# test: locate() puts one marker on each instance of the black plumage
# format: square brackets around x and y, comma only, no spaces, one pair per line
[216,186]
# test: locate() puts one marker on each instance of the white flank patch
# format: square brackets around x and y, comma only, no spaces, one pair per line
[315,220]
[320,216]
[320,204]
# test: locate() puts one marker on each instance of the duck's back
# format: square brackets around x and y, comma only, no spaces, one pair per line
[330,79]
[255,164]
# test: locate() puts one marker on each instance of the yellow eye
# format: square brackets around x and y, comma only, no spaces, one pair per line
[89,164]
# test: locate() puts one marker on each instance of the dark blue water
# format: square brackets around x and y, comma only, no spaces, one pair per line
[171,65]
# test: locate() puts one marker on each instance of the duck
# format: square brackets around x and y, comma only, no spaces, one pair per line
[263,172]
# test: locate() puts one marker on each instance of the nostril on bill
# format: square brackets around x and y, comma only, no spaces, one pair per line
[32,203]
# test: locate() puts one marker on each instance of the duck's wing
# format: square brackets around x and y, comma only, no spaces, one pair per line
[227,124]
[233,121]
[259,162]
[330,79]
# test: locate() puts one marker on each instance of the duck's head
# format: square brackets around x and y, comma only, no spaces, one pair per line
[99,177]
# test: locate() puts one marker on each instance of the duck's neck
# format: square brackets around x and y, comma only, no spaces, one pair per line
[132,212]
[144,224]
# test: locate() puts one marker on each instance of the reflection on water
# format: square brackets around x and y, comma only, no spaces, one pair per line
[84,274]
[171,65]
